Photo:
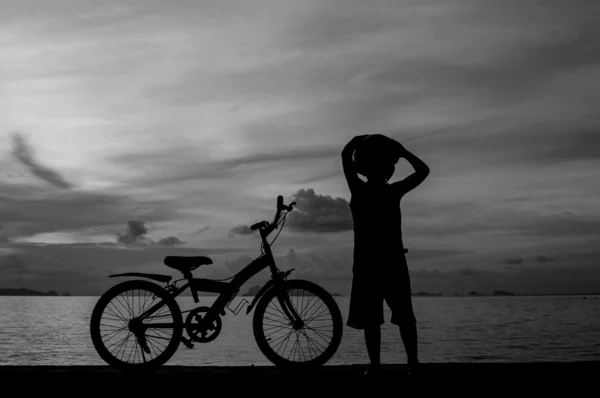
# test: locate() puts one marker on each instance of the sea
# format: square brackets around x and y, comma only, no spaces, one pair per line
[55,331]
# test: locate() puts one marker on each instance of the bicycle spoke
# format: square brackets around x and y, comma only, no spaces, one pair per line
[278,310]
[124,307]
[145,303]
[114,327]
[292,350]
[108,318]
[316,342]
[130,356]
[120,342]
[272,333]
[120,316]
[157,337]
[318,308]
[153,349]
[287,340]
[127,304]
[301,349]
[307,308]
[113,334]
[310,347]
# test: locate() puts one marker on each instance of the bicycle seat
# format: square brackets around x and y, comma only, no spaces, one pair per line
[186,263]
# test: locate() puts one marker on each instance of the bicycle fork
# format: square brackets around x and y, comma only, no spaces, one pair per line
[289,310]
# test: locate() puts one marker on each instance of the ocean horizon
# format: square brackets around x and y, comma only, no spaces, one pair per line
[55,331]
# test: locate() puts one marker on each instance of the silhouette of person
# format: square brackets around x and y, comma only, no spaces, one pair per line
[380,270]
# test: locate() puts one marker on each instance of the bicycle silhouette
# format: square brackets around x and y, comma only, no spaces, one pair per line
[146,317]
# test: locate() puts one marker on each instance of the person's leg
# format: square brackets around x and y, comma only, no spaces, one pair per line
[404,317]
[408,332]
[373,341]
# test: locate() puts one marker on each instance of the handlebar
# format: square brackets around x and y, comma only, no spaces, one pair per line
[270,227]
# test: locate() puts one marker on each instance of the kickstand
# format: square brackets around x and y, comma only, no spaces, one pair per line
[187,342]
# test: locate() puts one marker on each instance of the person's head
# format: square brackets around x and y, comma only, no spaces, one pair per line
[379,172]
[374,160]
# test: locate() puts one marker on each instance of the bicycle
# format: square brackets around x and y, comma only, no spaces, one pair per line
[203,324]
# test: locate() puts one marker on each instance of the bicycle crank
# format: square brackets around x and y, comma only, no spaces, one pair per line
[198,329]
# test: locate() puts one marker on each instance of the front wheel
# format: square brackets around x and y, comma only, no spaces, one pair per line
[121,340]
[286,343]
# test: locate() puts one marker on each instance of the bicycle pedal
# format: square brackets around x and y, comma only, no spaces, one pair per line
[187,343]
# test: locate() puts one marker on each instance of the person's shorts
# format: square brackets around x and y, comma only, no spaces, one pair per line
[369,293]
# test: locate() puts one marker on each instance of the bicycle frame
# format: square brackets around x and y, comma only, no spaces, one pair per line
[228,290]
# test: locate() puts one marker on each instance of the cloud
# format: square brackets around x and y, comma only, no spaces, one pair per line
[28,211]
[136,236]
[543,259]
[468,272]
[170,241]
[200,230]
[241,230]
[24,153]
[15,265]
[238,264]
[566,279]
[425,253]
[84,268]
[513,261]
[498,96]
[319,213]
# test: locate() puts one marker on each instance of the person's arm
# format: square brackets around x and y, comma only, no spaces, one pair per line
[348,163]
[415,179]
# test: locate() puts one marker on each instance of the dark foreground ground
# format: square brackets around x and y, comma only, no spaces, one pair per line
[440,379]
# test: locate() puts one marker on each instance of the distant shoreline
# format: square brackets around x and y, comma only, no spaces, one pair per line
[24,292]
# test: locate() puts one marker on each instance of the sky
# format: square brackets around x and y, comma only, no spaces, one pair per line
[134,130]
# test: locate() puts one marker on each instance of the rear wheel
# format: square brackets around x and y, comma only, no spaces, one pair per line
[309,344]
[133,345]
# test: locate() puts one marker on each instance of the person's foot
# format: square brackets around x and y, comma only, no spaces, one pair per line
[372,373]
[414,368]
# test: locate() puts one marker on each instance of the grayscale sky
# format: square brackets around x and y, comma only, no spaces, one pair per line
[132,130]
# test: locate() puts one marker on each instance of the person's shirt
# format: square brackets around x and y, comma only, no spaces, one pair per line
[377,223]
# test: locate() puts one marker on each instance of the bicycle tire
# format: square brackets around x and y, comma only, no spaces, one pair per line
[104,301]
[262,339]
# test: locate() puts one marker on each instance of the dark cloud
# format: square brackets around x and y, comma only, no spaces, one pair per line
[181,163]
[241,230]
[423,254]
[560,225]
[543,259]
[219,274]
[238,264]
[28,211]
[513,261]
[298,263]
[495,142]
[319,213]
[468,272]
[470,217]
[170,241]
[84,268]
[522,73]
[25,154]
[566,279]
[14,265]
[136,236]
[200,230]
